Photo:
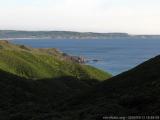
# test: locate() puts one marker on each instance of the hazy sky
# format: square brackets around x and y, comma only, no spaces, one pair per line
[132,16]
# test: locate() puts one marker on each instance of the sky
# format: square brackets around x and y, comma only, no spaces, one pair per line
[131,16]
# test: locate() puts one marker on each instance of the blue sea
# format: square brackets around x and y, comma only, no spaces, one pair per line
[113,55]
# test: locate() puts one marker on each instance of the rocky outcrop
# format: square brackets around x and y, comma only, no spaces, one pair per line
[77,59]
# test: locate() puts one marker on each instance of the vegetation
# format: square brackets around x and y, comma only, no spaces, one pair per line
[43,63]
[132,93]
[33,81]
[74,94]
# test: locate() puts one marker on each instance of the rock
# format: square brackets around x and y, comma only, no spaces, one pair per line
[95,60]
[78,59]
[4,42]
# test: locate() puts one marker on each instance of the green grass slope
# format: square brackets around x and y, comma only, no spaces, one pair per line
[43,63]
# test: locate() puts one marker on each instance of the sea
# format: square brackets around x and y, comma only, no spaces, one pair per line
[114,55]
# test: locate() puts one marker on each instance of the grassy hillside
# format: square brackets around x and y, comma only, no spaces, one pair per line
[33,81]
[25,99]
[135,92]
[43,63]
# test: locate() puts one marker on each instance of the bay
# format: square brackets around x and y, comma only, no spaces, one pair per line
[112,55]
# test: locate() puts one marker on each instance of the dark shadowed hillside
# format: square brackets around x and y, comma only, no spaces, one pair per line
[135,92]
[24,99]
[27,99]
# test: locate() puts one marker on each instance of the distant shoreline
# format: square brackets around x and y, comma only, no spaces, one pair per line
[13,34]
[115,38]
